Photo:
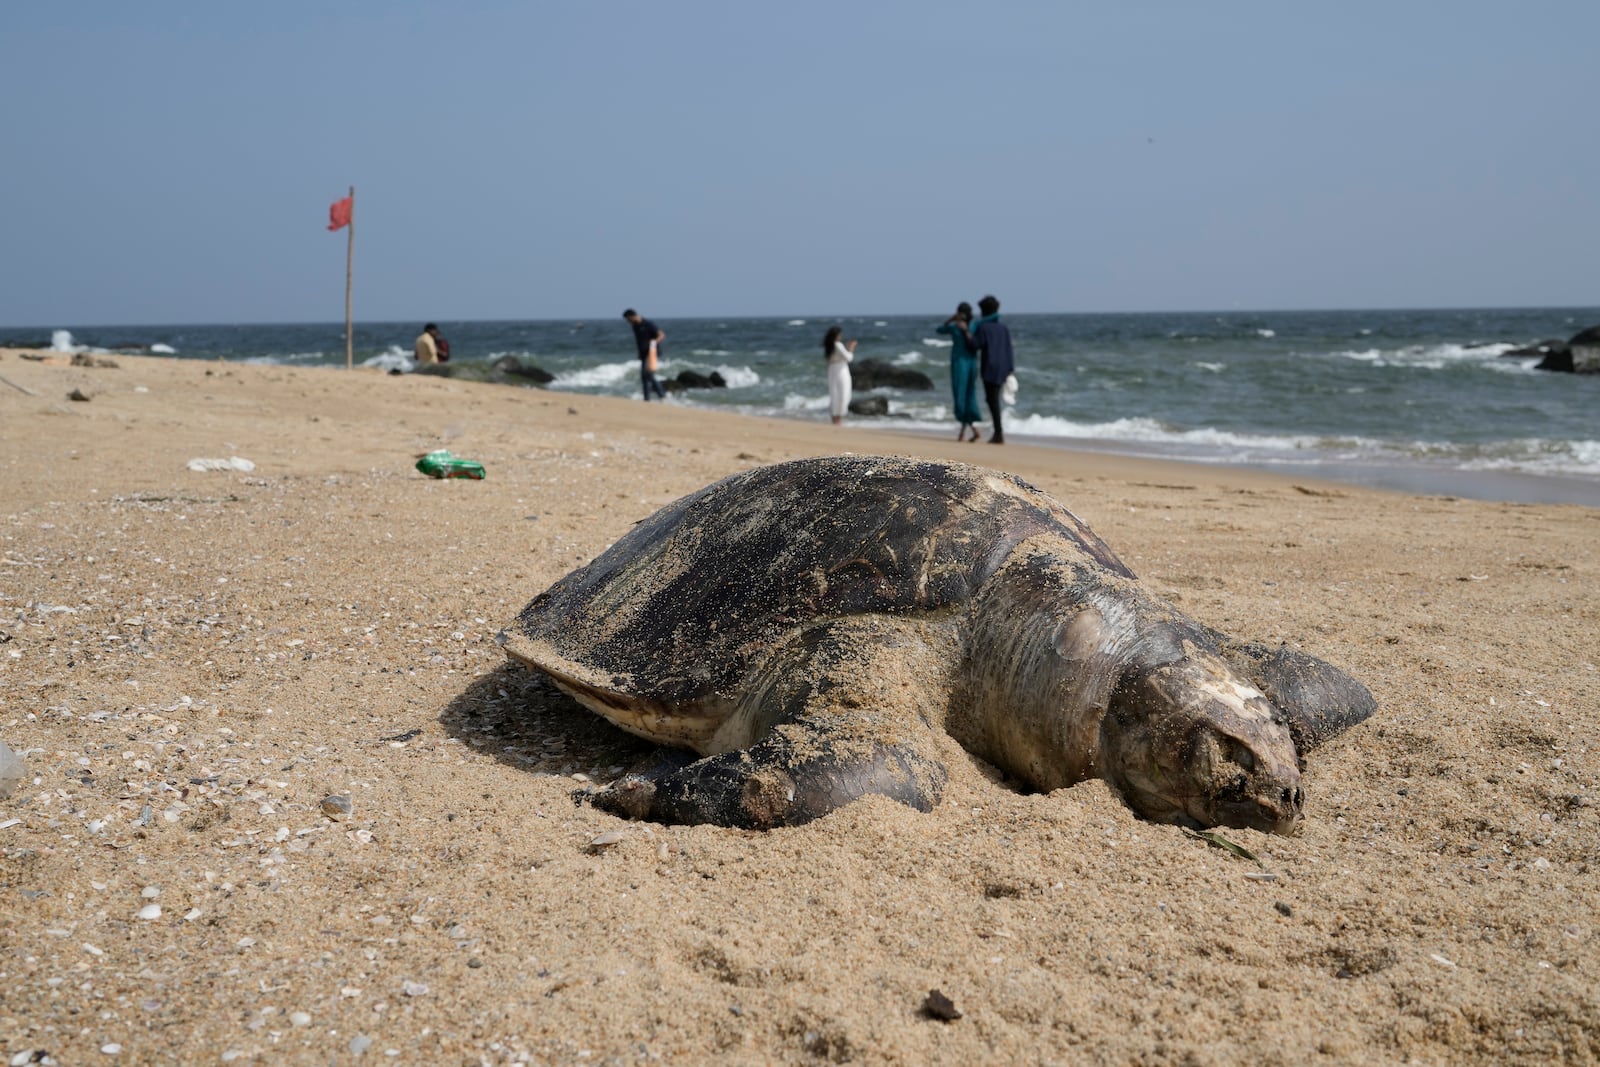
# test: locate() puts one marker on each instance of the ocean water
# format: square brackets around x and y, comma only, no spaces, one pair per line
[1420,400]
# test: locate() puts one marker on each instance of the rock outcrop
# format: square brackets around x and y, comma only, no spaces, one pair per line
[868,374]
[1579,354]
[1583,351]
[688,379]
[505,370]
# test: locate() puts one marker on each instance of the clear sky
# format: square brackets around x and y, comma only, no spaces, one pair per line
[174,162]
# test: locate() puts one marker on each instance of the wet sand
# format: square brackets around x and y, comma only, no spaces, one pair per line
[192,661]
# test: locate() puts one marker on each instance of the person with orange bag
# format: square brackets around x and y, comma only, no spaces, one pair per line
[648,336]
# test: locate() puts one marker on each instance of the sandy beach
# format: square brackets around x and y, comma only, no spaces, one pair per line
[192,661]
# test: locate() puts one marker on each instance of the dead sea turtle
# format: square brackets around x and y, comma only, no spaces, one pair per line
[808,627]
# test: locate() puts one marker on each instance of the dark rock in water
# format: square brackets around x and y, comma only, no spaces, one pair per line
[1580,354]
[1557,359]
[875,374]
[1540,348]
[688,379]
[514,366]
[1585,350]
[83,359]
[873,406]
[507,370]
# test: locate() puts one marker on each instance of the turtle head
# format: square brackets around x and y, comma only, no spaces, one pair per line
[1190,742]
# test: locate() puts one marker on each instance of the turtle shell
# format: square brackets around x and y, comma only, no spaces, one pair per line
[678,610]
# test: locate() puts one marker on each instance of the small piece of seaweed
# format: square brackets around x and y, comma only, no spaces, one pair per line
[1216,840]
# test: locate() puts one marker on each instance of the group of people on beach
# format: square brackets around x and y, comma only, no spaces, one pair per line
[431,347]
[979,351]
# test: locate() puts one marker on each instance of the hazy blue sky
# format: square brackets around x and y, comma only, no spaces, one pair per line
[174,162]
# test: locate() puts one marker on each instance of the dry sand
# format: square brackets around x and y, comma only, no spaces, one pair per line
[192,661]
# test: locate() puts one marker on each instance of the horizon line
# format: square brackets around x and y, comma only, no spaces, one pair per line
[834,315]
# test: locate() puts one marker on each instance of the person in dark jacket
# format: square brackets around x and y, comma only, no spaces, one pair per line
[647,337]
[992,341]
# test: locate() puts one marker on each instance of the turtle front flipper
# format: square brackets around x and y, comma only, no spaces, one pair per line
[801,771]
[831,715]
[1319,699]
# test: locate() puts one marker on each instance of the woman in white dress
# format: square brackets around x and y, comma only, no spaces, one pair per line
[838,353]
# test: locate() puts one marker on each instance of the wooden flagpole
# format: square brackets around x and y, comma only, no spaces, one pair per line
[349,269]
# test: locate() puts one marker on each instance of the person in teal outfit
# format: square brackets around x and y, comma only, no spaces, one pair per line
[963,371]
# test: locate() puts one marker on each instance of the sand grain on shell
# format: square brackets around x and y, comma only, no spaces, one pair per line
[194,662]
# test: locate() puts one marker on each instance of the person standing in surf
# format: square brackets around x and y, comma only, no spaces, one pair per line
[992,340]
[963,371]
[648,337]
[838,354]
[426,349]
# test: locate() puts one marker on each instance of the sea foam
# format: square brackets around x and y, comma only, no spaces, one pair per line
[597,377]
[739,377]
[62,341]
[392,358]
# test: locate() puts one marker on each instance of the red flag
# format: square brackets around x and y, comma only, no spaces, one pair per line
[339,213]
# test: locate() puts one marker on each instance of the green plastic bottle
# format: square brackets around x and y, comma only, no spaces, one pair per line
[441,464]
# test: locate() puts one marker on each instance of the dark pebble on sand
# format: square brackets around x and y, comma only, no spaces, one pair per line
[938,1006]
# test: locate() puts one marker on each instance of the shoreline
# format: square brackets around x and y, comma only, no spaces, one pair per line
[1415,476]
[1508,487]
[193,661]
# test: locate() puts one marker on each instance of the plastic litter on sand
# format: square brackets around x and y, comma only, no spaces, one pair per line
[232,463]
[440,463]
